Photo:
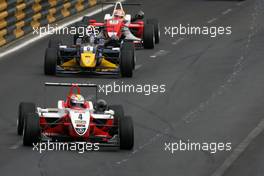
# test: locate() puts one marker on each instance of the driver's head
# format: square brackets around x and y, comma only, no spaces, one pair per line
[140,15]
[119,13]
[76,100]
[101,105]
[92,39]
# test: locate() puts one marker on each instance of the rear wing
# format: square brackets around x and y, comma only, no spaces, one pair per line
[70,84]
[124,4]
[119,4]
[73,85]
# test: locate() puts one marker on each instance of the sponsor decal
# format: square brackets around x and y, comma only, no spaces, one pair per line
[80,122]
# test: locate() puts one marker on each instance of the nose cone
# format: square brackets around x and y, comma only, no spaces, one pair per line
[80,121]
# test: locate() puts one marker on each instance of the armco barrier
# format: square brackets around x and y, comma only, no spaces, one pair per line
[18,17]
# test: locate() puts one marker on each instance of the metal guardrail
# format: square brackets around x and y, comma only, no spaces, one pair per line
[19,17]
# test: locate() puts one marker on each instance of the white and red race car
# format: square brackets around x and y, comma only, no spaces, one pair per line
[91,122]
[120,26]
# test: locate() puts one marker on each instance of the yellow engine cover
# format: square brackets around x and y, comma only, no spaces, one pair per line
[88,60]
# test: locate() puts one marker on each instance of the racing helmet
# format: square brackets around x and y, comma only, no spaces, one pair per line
[140,15]
[76,100]
[101,105]
[119,13]
[92,39]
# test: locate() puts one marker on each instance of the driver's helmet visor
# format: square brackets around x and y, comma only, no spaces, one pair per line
[78,104]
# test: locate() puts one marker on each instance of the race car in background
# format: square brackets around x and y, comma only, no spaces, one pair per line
[76,119]
[120,26]
[91,56]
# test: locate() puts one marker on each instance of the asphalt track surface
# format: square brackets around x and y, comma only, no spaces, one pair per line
[214,93]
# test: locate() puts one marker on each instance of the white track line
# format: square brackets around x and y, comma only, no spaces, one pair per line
[240,3]
[212,20]
[239,149]
[159,53]
[226,12]
[177,41]
[16,146]
[137,67]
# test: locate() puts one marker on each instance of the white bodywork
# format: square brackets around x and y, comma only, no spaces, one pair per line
[80,119]
[107,17]
[128,19]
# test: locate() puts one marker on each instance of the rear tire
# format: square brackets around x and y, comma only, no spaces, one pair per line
[126,133]
[31,132]
[127,59]
[50,64]
[148,36]
[156,25]
[23,110]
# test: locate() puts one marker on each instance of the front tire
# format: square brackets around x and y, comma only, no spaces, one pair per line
[119,113]
[127,59]
[148,36]
[31,132]
[126,133]
[23,110]
[50,64]
[54,43]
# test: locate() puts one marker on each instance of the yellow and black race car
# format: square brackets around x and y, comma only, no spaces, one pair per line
[92,58]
